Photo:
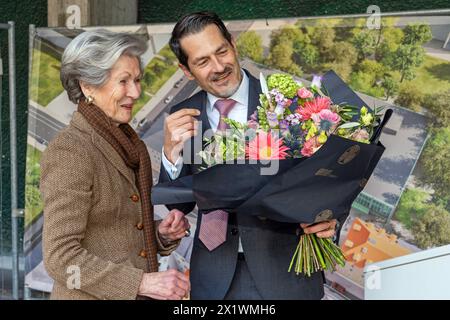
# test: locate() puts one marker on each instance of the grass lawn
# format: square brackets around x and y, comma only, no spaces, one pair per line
[433,75]
[33,202]
[45,84]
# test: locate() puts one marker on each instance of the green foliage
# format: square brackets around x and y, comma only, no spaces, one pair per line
[33,202]
[45,84]
[406,58]
[432,228]
[284,83]
[391,38]
[410,96]
[375,69]
[342,69]
[363,82]
[323,38]
[249,44]
[280,57]
[435,161]
[413,204]
[390,86]
[417,34]
[307,56]
[439,106]
[343,52]
[365,42]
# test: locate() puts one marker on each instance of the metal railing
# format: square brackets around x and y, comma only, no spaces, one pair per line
[15,212]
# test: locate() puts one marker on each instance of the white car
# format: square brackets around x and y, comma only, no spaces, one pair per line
[168,99]
[142,122]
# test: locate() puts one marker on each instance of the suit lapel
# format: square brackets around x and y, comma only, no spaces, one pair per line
[203,112]
[253,94]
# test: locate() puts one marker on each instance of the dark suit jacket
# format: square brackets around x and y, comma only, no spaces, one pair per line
[268,245]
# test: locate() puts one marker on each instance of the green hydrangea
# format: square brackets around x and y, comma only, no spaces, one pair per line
[284,83]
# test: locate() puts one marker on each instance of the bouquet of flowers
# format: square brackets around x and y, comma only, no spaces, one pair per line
[298,146]
[293,121]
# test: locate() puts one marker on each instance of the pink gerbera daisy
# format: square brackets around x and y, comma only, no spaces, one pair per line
[265,146]
[314,106]
[310,147]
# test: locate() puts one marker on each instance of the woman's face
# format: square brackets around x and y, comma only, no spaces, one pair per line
[117,96]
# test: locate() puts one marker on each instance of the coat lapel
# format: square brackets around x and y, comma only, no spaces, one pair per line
[104,146]
[113,157]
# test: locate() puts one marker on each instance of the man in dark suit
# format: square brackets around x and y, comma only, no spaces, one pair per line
[253,260]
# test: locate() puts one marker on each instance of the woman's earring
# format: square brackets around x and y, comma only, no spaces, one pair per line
[89,99]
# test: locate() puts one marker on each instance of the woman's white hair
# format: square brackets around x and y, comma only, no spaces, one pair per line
[90,56]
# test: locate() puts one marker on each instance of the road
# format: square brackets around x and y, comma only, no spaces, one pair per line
[42,126]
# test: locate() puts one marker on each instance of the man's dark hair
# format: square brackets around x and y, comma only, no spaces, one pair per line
[191,24]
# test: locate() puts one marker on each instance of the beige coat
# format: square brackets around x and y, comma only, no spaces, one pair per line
[92,218]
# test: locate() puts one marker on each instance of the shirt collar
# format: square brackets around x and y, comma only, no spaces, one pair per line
[240,96]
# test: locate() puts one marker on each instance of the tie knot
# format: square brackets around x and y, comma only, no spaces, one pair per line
[224,106]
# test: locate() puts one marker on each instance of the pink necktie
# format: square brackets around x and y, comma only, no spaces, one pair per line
[213,229]
[224,107]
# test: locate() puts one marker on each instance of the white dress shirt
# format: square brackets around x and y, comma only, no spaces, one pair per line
[238,113]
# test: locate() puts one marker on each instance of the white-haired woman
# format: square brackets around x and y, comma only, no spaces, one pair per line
[100,240]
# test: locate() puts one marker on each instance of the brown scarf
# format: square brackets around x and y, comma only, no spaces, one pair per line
[134,152]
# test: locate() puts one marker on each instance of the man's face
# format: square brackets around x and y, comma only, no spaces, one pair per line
[212,62]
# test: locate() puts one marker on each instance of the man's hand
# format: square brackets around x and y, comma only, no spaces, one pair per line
[179,127]
[325,229]
[174,226]
[165,285]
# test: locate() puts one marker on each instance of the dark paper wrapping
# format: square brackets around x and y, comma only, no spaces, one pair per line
[304,190]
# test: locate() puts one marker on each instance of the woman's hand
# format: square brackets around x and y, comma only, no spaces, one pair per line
[325,229]
[174,226]
[165,285]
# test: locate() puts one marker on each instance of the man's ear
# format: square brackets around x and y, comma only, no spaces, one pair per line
[233,43]
[186,71]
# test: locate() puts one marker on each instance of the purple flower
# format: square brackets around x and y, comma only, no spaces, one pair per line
[279,98]
[272,119]
[316,82]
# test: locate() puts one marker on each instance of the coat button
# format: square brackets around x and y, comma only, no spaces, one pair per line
[143,253]
[234,231]
[139,226]
[134,198]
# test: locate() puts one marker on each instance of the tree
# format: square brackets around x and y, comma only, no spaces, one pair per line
[390,86]
[439,106]
[323,38]
[363,82]
[432,228]
[413,204]
[406,58]
[280,57]
[410,96]
[417,34]
[307,55]
[289,34]
[436,163]
[373,68]
[282,54]
[391,38]
[342,69]
[365,43]
[249,44]
[343,52]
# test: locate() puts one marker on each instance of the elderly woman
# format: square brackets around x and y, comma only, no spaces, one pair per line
[100,240]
